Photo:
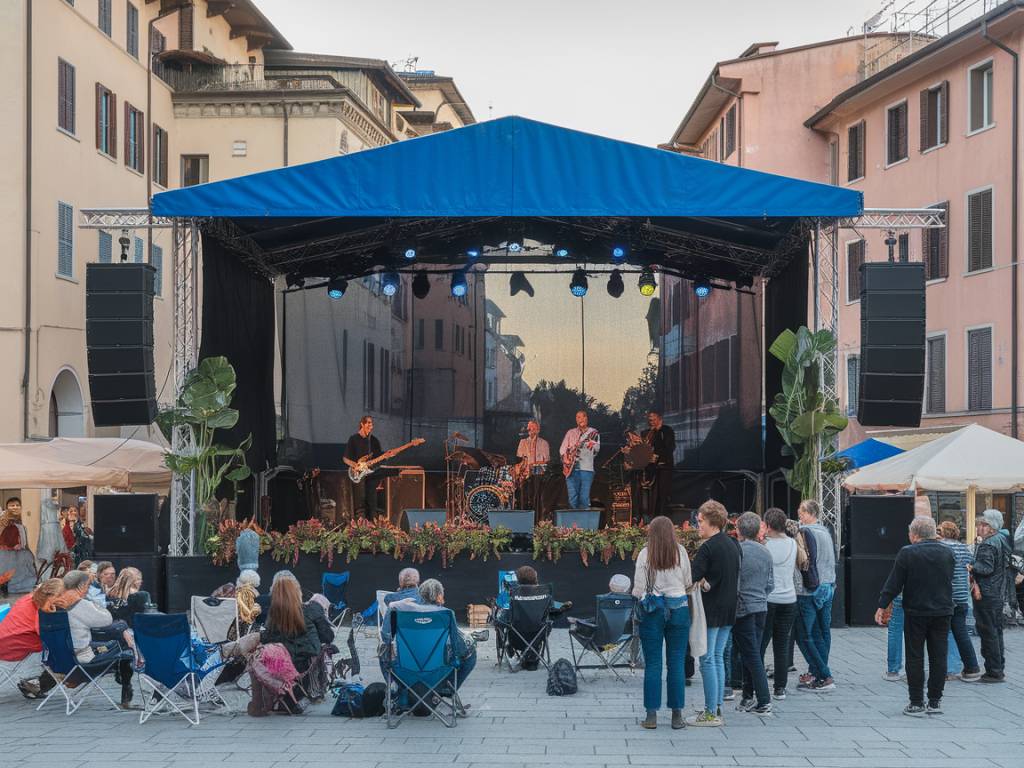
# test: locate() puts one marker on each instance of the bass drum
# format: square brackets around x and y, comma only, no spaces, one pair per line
[482,499]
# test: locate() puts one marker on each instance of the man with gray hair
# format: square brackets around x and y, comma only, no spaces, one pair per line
[923,572]
[756,583]
[408,586]
[989,575]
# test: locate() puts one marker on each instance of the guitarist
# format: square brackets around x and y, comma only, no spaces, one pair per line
[363,445]
[656,478]
[579,448]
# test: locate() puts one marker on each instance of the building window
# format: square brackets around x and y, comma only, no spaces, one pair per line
[158,264]
[132,33]
[160,156]
[439,334]
[730,132]
[65,240]
[195,169]
[896,133]
[979,96]
[935,394]
[104,16]
[134,141]
[106,121]
[979,230]
[65,96]
[979,369]
[369,379]
[903,246]
[854,258]
[833,163]
[852,384]
[139,254]
[935,249]
[855,145]
[106,247]
[421,333]
[935,116]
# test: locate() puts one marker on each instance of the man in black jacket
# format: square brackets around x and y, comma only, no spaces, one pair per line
[989,574]
[923,572]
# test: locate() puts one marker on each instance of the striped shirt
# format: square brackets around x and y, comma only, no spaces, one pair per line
[962,555]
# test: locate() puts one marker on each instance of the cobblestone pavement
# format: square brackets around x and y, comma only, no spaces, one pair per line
[512,722]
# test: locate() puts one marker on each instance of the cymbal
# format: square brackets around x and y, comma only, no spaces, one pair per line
[465,458]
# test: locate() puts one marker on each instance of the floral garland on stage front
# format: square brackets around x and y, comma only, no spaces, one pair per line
[448,541]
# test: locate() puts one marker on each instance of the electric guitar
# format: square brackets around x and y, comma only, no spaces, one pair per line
[365,466]
[572,455]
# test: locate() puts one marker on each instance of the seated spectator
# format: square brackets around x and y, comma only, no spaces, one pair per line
[315,610]
[527,575]
[87,566]
[104,580]
[408,586]
[619,584]
[19,631]
[247,587]
[288,624]
[125,597]
[224,591]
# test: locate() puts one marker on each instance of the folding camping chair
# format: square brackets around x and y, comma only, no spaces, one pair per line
[524,628]
[382,610]
[421,666]
[215,619]
[610,636]
[76,680]
[175,668]
[334,587]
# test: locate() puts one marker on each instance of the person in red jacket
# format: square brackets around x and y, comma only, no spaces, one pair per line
[19,631]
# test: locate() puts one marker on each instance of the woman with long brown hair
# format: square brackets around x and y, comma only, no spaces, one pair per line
[288,625]
[661,581]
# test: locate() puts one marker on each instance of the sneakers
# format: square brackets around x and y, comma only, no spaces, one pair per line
[651,721]
[746,705]
[677,719]
[779,694]
[892,677]
[764,710]
[704,719]
[729,694]
[992,678]
[934,708]
[806,678]
[970,677]
[914,710]
[823,686]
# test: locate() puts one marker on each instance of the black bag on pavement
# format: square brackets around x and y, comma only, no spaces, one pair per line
[562,679]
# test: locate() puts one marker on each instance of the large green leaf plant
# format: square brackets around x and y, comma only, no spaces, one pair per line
[805,417]
[204,406]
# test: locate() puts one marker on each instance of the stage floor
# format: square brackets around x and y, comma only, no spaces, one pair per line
[513,722]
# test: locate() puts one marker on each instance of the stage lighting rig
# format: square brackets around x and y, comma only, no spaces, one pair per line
[473,252]
[459,286]
[389,283]
[702,288]
[615,286]
[578,285]
[647,284]
[518,282]
[560,251]
[409,252]
[421,285]
[619,252]
[336,287]
[295,280]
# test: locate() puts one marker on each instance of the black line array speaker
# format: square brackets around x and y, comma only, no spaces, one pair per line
[119,335]
[877,525]
[892,344]
[126,523]
[865,577]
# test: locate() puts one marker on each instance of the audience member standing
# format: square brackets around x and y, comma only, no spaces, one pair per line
[661,580]
[961,649]
[755,585]
[814,608]
[989,574]
[717,564]
[923,572]
[778,622]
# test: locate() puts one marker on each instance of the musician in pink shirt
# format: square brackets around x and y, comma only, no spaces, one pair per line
[580,447]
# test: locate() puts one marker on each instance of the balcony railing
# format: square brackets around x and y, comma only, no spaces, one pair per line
[241,77]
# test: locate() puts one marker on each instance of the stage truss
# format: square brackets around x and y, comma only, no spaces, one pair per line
[187,252]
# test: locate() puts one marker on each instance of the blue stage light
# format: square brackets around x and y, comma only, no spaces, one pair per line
[578,286]
[514,246]
[561,252]
[473,253]
[389,283]
[702,288]
[459,286]
[336,287]
[410,253]
[618,253]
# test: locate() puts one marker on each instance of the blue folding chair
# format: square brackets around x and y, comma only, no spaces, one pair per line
[176,667]
[76,680]
[421,667]
[334,587]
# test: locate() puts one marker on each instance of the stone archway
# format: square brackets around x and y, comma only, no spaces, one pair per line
[67,408]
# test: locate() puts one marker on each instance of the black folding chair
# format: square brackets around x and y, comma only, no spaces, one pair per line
[611,636]
[524,628]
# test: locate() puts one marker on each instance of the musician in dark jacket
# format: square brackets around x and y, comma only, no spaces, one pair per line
[363,445]
[923,573]
[657,476]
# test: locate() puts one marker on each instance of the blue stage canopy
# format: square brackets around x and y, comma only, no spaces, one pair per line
[511,167]
[867,452]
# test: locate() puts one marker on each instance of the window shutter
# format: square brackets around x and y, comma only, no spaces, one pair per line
[943,132]
[139,255]
[979,373]
[140,133]
[854,258]
[925,122]
[127,133]
[904,246]
[936,402]
[99,112]
[164,140]
[62,94]
[65,239]
[185,28]
[986,228]
[112,125]
[852,384]
[158,264]
[901,131]
[942,236]
[979,211]
[853,147]
[105,247]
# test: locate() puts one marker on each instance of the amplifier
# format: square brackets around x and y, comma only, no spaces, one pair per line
[405,490]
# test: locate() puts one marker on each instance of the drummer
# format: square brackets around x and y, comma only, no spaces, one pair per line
[534,453]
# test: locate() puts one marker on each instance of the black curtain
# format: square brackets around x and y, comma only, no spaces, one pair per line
[238,323]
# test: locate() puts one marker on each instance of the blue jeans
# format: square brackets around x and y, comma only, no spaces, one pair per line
[712,668]
[747,633]
[578,483]
[813,630]
[894,636]
[669,628]
[961,656]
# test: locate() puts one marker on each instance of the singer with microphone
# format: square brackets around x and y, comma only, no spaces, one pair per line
[534,454]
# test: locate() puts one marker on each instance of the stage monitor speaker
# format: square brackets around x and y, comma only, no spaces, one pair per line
[865,577]
[892,344]
[518,521]
[878,525]
[584,519]
[421,517]
[405,490]
[126,522]
[119,337]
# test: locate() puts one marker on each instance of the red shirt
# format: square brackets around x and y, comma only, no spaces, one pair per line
[19,631]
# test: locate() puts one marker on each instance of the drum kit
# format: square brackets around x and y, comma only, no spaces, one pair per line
[479,480]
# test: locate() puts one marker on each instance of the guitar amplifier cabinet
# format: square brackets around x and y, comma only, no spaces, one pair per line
[407,489]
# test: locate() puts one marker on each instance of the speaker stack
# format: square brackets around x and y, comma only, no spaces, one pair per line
[119,336]
[127,532]
[892,344]
[876,530]
[405,490]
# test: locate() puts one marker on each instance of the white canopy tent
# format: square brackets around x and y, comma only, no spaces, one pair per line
[66,462]
[969,460]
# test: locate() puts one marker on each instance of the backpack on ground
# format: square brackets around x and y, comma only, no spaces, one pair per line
[355,700]
[562,679]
